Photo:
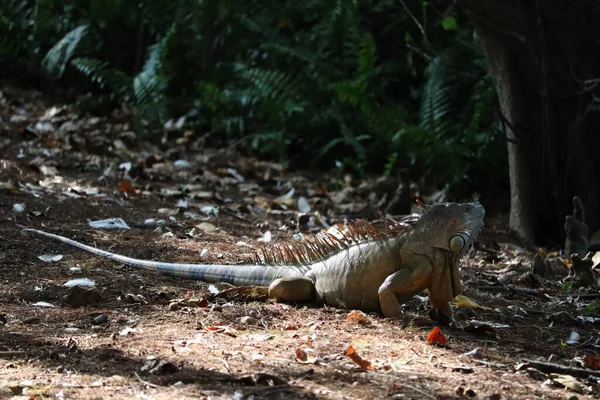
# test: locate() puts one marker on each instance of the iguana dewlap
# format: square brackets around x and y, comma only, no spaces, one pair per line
[378,272]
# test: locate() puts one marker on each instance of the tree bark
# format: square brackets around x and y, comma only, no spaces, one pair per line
[542,55]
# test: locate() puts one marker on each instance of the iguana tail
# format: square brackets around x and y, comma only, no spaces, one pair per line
[239,275]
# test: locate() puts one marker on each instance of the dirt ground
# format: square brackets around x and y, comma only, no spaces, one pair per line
[143,335]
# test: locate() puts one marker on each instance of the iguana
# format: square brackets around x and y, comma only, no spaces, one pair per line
[368,268]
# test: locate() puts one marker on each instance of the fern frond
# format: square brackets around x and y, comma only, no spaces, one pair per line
[367,54]
[437,98]
[59,55]
[104,75]
[269,84]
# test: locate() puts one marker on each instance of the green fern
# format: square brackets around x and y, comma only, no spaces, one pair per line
[438,97]
[107,78]
[61,53]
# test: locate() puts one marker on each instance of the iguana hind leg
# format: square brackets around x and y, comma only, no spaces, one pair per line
[402,285]
[296,289]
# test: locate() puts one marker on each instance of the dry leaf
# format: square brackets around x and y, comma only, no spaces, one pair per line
[436,337]
[222,329]
[356,317]
[126,186]
[569,382]
[464,301]
[303,357]
[364,364]
[590,361]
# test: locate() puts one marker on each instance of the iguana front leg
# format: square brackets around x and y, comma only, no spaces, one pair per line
[404,284]
[296,289]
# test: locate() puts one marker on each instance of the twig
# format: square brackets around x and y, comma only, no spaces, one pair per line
[412,16]
[233,214]
[551,368]
[588,296]
[10,353]
[419,51]
[269,390]
[487,249]
[146,382]
[520,290]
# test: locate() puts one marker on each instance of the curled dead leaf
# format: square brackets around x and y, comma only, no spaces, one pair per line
[126,186]
[364,364]
[436,337]
[356,317]
[304,357]
[222,329]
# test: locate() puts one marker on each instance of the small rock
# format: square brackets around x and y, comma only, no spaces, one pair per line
[174,306]
[135,298]
[201,302]
[100,319]
[82,296]
[248,320]
[159,367]
[32,320]
[564,318]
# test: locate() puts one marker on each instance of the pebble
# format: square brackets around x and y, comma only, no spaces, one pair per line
[100,319]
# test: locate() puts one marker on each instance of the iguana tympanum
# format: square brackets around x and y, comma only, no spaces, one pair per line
[368,269]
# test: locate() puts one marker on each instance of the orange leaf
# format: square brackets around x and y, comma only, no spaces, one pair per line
[356,317]
[301,355]
[126,186]
[364,364]
[436,336]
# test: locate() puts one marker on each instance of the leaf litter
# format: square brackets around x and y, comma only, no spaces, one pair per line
[65,170]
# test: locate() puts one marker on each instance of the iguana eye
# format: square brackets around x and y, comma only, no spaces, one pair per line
[457,243]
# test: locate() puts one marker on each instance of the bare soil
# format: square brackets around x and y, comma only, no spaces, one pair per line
[158,337]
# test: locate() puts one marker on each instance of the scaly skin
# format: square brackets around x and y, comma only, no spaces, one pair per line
[377,275]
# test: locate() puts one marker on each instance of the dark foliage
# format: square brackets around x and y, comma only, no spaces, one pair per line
[364,85]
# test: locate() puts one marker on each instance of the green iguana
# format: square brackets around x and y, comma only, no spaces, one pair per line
[369,269]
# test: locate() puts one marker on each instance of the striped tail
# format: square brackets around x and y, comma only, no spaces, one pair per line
[238,275]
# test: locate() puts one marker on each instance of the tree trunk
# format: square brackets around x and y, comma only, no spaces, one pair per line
[542,54]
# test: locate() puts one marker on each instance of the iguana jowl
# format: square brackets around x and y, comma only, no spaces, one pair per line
[377,271]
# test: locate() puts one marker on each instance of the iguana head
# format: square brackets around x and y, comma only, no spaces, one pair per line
[442,235]
[451,227]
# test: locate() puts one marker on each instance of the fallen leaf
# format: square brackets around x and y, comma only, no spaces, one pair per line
[464,301]
[80,282]
[43,304]
[50,257]
[303,356]
[590,361]
[303,205]
[356,317]
[436,337]
[573,338]
[222,329]
[364,364]
[9,186]
[110,223]
[206,227]
[569,382]
[126,186]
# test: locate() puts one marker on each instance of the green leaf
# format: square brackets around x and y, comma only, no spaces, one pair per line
[449,23]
